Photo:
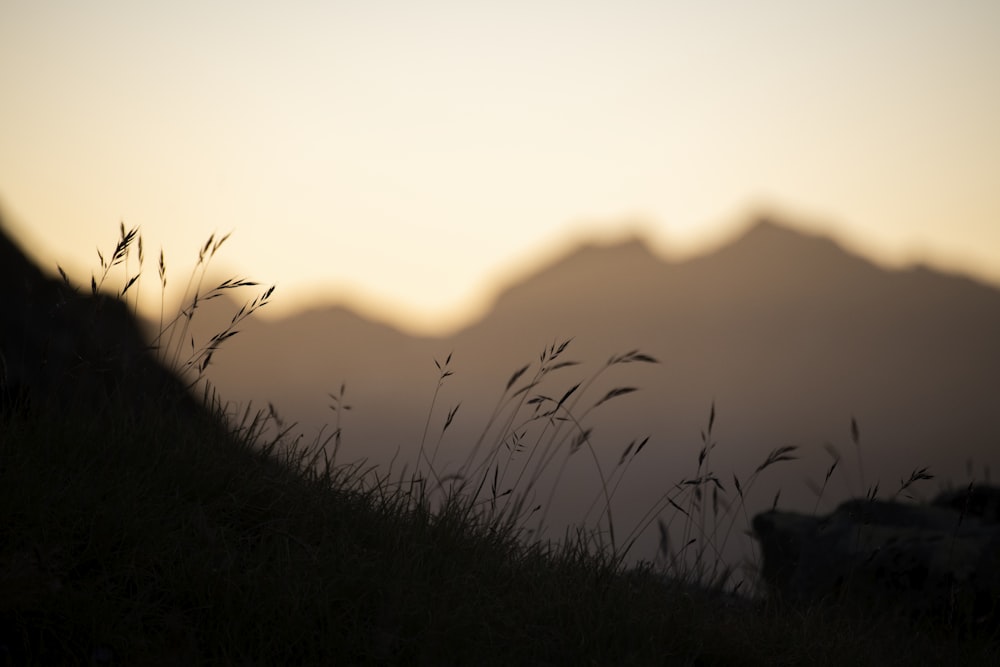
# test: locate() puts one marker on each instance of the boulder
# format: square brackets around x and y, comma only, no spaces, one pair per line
[64,349]
[941,559]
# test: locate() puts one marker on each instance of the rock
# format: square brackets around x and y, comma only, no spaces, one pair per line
[923,559]
[63,350]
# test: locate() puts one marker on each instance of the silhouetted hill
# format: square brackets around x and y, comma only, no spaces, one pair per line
[787,332]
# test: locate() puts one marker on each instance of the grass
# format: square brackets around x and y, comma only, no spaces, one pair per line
[157,542]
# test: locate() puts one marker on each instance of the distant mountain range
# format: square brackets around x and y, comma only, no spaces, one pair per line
[787,333]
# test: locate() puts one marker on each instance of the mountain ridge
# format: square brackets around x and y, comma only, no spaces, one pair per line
[763,237]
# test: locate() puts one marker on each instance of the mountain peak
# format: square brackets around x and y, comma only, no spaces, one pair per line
[599,256]
[634,243]
[767,240]
[766,228]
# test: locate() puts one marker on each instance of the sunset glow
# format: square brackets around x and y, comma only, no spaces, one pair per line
[408,157]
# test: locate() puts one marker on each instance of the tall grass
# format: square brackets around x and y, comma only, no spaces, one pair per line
[173,344]
[159,543]
[532,429]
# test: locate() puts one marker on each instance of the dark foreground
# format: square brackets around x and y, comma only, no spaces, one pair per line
[146,541]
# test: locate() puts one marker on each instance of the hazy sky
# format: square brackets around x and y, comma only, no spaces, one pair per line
[407,154]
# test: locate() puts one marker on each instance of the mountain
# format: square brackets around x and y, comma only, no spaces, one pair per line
[788,334]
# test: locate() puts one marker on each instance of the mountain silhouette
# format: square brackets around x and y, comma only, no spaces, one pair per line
[789,335]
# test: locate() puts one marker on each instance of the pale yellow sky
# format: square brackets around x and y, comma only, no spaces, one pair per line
[408,154]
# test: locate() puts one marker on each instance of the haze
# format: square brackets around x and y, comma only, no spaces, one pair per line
[409,157]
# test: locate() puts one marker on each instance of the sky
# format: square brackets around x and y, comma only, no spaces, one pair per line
[409,157]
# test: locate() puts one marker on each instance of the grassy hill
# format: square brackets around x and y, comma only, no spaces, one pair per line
[147,538]
[151,543]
